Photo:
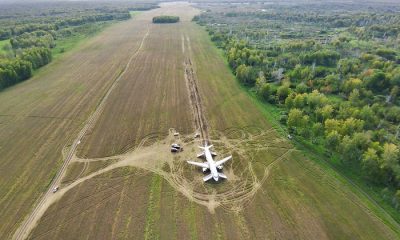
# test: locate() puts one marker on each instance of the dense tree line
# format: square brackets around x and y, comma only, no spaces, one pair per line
[34,39]
[165,19]
[16,70]
[339,92]
[92,18]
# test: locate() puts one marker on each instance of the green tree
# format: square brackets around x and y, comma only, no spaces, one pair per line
[245,74]
[393,114]
[316,99]
[370,165]
[265,91]
[332,125]
[354,97]
[289,101]
[296,119]
[378,81]
[390,156]
[283,91]
[349,149]
[396,199]
[351,125]
[300,100]
[368,115]
[325,112]
[351,84]
[260,81]
[317,130]
[332,140]
[301,88]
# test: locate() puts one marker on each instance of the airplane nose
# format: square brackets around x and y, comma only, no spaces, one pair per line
[216,179]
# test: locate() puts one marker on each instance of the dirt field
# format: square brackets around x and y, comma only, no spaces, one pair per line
[123,183]
[39,117]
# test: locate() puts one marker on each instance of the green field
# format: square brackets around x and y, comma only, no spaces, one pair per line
[81,34]
[135,13]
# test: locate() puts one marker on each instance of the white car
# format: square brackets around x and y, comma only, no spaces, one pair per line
[175,145]
[55,189]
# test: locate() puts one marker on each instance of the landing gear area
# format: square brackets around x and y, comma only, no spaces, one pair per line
[207,170]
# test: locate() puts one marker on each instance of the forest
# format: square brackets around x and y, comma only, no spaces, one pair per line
[29,32]
[165,19]
[332,73]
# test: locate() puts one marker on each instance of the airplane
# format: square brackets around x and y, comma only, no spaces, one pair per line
[210,164]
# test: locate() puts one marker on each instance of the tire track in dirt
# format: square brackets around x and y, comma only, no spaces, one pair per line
[30,222]
[200,122]
[154,157]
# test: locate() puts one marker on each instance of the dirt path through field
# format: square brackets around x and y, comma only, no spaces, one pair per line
[200,121]
[46,200]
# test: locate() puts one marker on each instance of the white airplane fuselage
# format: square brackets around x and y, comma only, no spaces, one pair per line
[211,164]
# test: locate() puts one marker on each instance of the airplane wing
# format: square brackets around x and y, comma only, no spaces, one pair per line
[220,162]
[222,175]
[203,165]
[208,177]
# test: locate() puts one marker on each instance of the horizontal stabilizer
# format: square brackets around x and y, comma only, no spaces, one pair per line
[208,177]
[203,165]
[206,147]
[222,161]
[221,175]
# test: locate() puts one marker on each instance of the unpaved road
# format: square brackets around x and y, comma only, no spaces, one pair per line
[30,222]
